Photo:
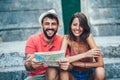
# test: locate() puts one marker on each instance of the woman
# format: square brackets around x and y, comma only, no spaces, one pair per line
[78,41]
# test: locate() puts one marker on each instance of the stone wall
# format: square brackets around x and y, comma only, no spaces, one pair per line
[19,18]
[103,16]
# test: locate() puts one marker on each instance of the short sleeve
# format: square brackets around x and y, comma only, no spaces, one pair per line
[30,46]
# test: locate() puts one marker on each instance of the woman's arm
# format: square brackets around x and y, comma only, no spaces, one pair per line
[91,53]
[69,59]
[64,43]
[92,44]
[89,64]
[99,60]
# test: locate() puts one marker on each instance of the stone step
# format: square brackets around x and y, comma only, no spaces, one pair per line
[13,55]
[12,58]
[114,79]
[112,67]
[104,4]
[110,45]
[13,75]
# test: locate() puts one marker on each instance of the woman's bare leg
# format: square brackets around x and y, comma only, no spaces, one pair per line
[64,75]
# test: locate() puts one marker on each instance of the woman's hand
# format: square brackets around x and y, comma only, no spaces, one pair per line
[95,52]
[64,64]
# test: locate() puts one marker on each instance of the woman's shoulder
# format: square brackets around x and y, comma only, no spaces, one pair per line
[90,36]
[66,37]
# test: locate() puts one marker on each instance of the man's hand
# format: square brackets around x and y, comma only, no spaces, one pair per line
[64,64]
[95,52]
[36,64]
[31,63]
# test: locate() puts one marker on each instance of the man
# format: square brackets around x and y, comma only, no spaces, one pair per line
[46,41]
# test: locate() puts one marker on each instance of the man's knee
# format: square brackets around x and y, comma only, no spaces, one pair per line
[52,73]
[64,75]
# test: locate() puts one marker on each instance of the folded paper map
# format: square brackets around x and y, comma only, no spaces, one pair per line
[50,58]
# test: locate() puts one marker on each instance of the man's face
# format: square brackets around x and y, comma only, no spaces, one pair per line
[50,27]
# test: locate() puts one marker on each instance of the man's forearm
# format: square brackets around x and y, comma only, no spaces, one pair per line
[28,63]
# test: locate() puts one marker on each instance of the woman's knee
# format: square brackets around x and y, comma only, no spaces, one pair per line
[100,73]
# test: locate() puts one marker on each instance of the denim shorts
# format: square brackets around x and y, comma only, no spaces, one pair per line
[82,75]
[37,77]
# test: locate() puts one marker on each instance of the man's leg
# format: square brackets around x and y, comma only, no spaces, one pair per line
[37,77]
[64,75]
[99,74]
[52,73]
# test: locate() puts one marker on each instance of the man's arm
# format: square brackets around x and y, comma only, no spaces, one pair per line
[31,63]
[28,62]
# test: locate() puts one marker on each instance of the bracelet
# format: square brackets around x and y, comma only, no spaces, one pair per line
[85,65]
[72,66]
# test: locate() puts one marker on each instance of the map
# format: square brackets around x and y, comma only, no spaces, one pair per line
[50,58]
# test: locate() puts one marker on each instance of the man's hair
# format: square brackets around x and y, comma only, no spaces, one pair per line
[51,16]
[83,23]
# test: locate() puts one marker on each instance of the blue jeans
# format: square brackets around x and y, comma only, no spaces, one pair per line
[37,77]
[82,75]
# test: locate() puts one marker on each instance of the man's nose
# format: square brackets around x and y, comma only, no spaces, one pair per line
[50,25]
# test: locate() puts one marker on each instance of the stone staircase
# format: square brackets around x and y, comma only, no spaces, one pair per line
[12,58]
[19,20]
[110,47]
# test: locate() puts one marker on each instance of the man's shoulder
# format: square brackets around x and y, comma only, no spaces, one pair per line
[35,35]
[59,36]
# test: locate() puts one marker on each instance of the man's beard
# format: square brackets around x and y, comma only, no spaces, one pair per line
[49,37]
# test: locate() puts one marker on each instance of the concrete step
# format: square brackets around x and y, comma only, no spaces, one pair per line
[110,45]
[16,46]
[12,61]
[112,67]
[107,40]
[114,79]
[13,75]
[12,58]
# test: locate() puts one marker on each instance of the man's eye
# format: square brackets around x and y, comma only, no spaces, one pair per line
[54,23]
[46,23]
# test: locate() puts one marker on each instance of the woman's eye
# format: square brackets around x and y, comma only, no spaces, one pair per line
[74,24]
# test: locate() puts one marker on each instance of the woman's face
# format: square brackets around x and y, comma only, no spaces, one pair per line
[76,28]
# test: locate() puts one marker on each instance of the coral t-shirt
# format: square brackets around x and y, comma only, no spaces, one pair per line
[36,43]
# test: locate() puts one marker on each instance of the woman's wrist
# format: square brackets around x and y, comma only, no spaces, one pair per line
[71,66]
[84,65]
